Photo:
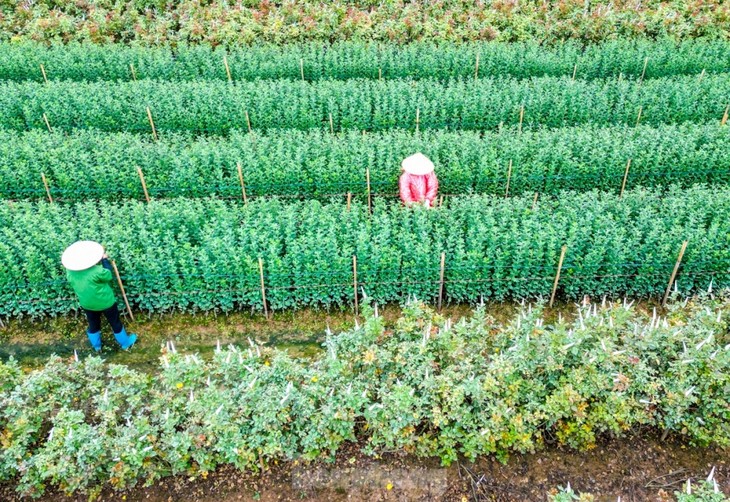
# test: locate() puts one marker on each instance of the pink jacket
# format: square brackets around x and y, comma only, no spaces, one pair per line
[417,188]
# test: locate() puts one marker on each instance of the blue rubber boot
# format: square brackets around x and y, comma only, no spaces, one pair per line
[125,341]
[95,340]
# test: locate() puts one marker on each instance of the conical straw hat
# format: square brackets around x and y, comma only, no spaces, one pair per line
[82,255]
[417,164]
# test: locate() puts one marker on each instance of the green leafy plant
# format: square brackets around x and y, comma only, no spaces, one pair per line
[423,385]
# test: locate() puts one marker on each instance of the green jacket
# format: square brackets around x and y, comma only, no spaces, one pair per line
[93,286]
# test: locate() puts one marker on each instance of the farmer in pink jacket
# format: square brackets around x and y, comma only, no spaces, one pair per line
[418,183]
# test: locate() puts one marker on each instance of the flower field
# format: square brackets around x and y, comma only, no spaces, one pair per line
[427,386]
[237,157]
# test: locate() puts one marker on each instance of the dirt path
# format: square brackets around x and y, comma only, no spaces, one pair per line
[636,468]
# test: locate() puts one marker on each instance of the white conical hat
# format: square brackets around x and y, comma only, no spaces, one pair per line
[418,164]
[82,255]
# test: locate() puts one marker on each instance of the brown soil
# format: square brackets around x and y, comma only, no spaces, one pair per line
[635,468]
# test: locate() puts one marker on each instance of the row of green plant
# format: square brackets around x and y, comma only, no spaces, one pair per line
[424,385]
[217,107]
[87,164]
[202,254]
[346,60]
[151,22]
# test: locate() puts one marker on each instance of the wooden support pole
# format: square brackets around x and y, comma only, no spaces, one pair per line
[509,176]
[522,116]
[724,116]
[575,70]
[418,118]
[228,68]
[243,186]
[263,288]
[557,274]
[674,273]
[643,72]
[43,71]
[534,201]
[332,125]
[638,117]
[354,283]
[370,198]
[626,176]
[48,124]
[702,75]
[248,121]
[301,68]
[441,280]
[144,185]
[380,74]
[349,200]
[441,201]
[121,287]
[476,68]
[152,123]
[134,73]
[48,190]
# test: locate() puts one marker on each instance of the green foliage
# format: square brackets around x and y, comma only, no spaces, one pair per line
[424,385]
[345,60]
[217,107]
[202,254]
[95,165]
[151,22]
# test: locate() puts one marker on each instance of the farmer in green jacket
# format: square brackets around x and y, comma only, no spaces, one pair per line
[89,272]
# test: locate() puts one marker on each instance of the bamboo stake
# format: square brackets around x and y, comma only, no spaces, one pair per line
[301,68]
[534,201]
[702,75]
[2,325]
[557,274]
[643,72]
[144,185]
[418,118]
[522,116]
[638,117]
[349,200]
[354,283]
[43,71]
[370,199]
[134,74]
[263,288]
[332,126]
[380,74]
[476,68]
[575,70]
[243,186]
[48,124]
[248,121]
[152,123]
[121,287]
[441,201]
[626,175]
[441,280]
[509,175]
[674,273]
[228,68]
[48,190]
[724,116]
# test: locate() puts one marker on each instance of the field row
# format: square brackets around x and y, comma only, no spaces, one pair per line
[218,107]
[88,164]
[249,22]
[361,60]
[422,386]
[204,254]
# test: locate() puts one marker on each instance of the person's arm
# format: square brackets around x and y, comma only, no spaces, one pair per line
[405,189]
[432,187]
[105,273]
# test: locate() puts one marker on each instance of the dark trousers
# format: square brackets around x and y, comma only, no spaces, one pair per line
[111,314]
